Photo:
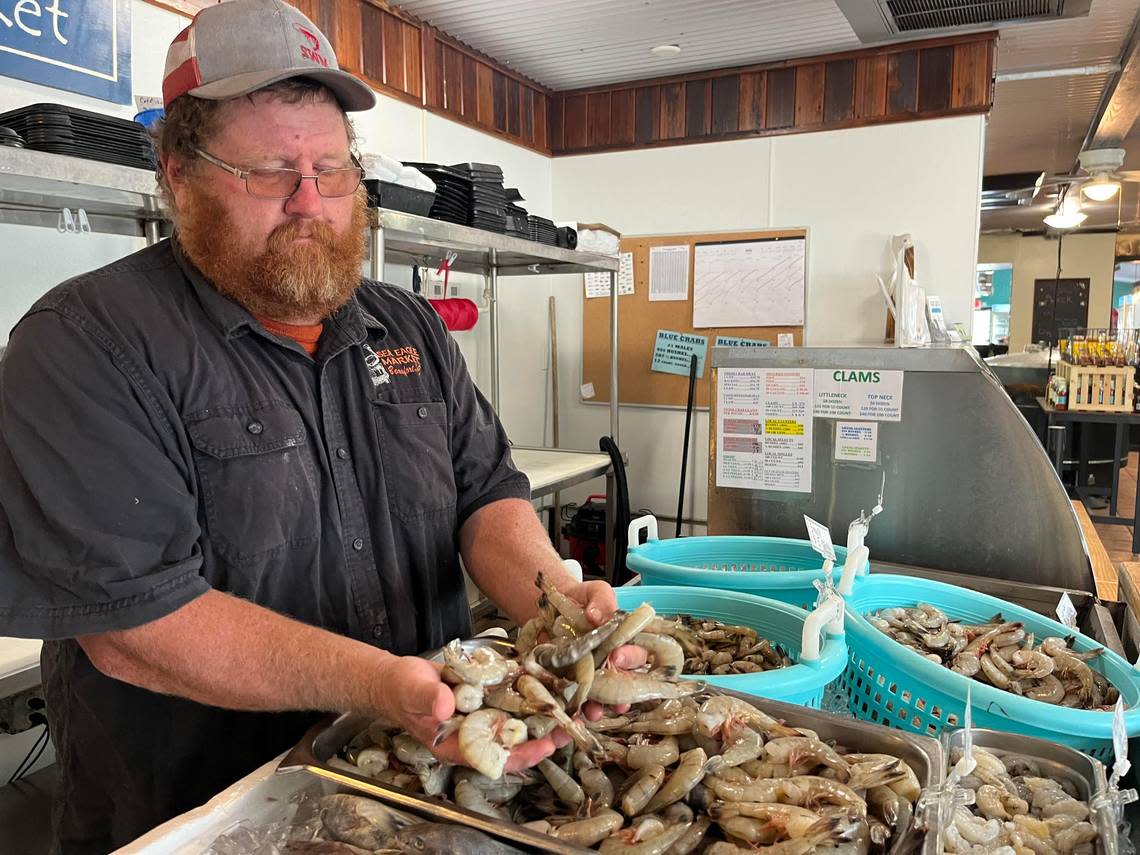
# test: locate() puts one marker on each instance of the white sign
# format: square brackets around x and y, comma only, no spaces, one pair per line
[820,538]
[764,426]
[669,273]
[598,284]
[857,441]
[749,283]
[1067,612]
[852,393]
[785,339]
[587,390]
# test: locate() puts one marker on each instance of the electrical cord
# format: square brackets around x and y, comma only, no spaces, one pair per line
[35,752]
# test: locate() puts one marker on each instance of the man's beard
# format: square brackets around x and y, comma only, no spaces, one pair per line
[287,281]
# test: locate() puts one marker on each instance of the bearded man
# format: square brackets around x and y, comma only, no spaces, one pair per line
[236,479]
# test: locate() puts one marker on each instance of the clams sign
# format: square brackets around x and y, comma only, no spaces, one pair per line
[82,46]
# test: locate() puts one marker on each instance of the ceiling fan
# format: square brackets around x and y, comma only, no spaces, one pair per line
[1099,178]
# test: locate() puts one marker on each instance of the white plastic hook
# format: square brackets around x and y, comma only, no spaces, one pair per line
[855,565]
[66,222]
[647,523]
[84,223]
[823,618]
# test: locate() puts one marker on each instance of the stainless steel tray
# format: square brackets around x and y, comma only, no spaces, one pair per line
[1057,761]
[327,738]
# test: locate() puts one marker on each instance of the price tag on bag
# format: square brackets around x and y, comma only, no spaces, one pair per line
[820,538]
[1067,612]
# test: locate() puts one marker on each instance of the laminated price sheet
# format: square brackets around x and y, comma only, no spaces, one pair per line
[764,428]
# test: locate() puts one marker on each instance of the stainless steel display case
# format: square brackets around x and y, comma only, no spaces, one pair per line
[969,488]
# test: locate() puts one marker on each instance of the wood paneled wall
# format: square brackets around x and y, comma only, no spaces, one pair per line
[408,59]
[916,80]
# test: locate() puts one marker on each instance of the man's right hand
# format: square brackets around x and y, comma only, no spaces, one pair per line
[410,693]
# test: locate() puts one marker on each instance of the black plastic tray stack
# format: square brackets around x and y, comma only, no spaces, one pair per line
[543,230]
[488,198]
[66,130]
[518,224]
[452,192]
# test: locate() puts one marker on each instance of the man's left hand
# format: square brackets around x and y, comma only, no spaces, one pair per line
[599,602]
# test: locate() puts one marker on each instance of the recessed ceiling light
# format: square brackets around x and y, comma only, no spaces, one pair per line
[665,50]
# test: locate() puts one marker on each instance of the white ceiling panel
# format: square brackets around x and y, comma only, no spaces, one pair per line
[569,44]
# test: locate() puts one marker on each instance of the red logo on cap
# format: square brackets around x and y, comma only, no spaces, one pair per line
[311,51]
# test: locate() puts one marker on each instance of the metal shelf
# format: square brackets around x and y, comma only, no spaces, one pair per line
[413,237]
[35,185]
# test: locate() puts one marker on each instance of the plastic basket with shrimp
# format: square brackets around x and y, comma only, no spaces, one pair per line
[818,652]
[890,684]
[779,568]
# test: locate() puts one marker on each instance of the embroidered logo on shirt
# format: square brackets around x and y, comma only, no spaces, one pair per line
[401,361]
[376,369]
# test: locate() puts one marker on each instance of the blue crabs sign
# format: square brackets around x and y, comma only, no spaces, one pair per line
[82,46]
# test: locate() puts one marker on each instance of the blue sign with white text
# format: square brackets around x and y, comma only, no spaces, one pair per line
[82,46]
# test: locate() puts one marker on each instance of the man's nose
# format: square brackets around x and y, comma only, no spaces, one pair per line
[305,201]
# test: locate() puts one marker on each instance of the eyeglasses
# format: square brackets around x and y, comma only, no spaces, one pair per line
[273,183]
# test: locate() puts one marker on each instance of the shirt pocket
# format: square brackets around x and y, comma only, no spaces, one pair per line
[416,449]
[259,485]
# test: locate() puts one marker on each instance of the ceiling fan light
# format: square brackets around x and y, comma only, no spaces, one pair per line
[1063,221]
[1101,188]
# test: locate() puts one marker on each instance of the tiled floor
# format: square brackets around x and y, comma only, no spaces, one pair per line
[1117,539]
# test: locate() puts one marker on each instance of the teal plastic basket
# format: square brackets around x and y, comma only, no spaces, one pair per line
[779,568]
[890,684]
[802,683]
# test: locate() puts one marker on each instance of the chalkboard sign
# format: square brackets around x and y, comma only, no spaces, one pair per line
[1071,309]
[82,46]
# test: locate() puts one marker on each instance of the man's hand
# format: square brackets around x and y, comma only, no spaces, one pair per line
[410,693]
[599,602]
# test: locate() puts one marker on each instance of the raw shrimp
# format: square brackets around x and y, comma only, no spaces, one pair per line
[1050,690]
[724,710]
[908,786]
[568,791]
[590,832]
[529,634]
[584,677]
[1033,664]
[640,788]
[481,667]
[566,651]
[690,769]
[644,753]
[595,783]
[795,751]
[469,796]
[770,821]
[623,842]
[532,690]
[821,832]
[468,698]
[618,687]
[567,607]
[692,838]
[662,650]
[745,746]
[485,737]
[631,625]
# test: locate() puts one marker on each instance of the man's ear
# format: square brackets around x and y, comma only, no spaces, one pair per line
[174,171]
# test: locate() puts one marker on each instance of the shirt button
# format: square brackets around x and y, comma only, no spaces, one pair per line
[342,453]
[422,412]
[358,544]
[255,427]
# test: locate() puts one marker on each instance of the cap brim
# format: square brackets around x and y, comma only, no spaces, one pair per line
[353,94]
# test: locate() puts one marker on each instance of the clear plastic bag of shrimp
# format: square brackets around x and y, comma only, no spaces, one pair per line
[297,820]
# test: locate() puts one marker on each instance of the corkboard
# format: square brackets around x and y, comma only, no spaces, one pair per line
[639,320]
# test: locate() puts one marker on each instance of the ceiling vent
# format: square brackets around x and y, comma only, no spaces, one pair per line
[879,20]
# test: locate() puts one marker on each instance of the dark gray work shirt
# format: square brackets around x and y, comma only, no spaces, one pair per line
[156,442]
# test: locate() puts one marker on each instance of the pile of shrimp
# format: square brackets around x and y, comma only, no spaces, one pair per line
[1001,653]
[1018,811]
[712,647]
[683,770]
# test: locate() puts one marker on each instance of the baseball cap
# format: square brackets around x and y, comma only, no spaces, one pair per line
[240,46]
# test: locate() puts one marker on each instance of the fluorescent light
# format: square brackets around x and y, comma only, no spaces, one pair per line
[1101,188]
[665,50]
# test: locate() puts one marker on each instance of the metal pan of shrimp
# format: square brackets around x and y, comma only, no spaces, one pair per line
[1003,654]
[1017,809]
[680,770]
